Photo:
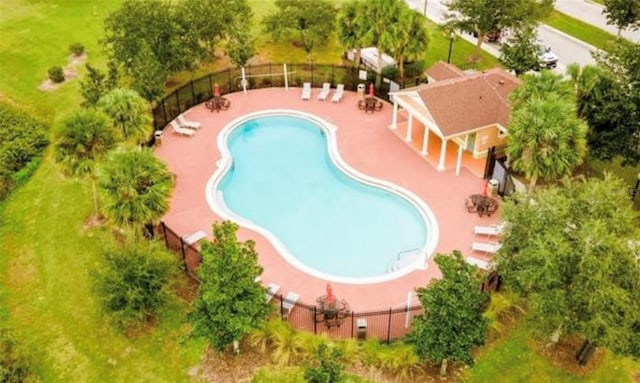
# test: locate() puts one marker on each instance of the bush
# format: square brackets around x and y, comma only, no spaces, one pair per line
[133,284]
[15,361]
[56,74]
[22,139]
[327,366]
[77,49]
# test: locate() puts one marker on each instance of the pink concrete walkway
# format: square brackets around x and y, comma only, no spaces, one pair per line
[367,144]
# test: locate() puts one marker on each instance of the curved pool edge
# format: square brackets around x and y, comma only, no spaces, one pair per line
[215,199]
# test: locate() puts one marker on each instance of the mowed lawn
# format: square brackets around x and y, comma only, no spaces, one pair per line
[47,252]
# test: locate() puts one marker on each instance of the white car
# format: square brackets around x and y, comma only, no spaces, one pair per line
[546,58]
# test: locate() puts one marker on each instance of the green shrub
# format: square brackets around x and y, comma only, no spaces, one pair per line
[77,49]
[16,364]
[22,139]
[326,366]
[133,284]
[56,74]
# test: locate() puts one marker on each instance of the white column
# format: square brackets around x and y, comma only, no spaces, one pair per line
[286,78]
[459,162]
[443,152]
[394,122]
[425,141]
[407,138]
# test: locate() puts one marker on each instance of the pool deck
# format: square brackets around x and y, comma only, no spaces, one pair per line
[367,144]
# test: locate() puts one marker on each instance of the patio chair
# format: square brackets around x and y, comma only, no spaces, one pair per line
[488,248]
[195,237]
[180,130]
[337,96]
[306,91]
[272,289]
[324,92]
[492,230]
[480,263]
[188,124]
[289,303]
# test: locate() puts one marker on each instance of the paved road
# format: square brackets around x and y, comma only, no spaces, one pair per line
[591,13]
[567,48]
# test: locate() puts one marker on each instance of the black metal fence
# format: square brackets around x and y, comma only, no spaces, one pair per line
[496,168]
[265,76]
[387,325]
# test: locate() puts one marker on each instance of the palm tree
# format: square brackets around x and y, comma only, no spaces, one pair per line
[546,138]
[128,111]
[135,187]
[82,141]
[540,85]
[411,39]
[381,16]
[350,26]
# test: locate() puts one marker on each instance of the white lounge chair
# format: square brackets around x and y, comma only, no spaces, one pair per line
[481,264]
[289,303]
[337,96]
[195,237]
[272,289]
[306,91]
[188,124]
[324,92]
[180,130]
[492,230]
[484,247]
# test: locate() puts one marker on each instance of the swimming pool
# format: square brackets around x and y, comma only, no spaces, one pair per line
[280,174]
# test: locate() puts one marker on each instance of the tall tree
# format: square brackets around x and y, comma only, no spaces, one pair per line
[129,112]
[312,20]
[568,249]
[622,13]
[92,86]
[411,37]
[133,283]
[484,16]
[150,76]
[453,322]
[520,52]
[135,187]
[380,17]
[611,109]
[547,140]
[230,301]
[83,140]
[351,26]
[241,47]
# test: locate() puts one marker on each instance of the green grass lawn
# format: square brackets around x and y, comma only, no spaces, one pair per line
[513,359]
[48,253]
[580,30]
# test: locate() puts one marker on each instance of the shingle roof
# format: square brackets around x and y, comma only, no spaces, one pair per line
[443,71]
[469,102]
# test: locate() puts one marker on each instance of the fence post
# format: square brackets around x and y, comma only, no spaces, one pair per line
[281,307]
[164,233]
[315,322]
[353,318]
[389,328]
[210,85]
[164,113]
[184,257]
[193,93]
[178,102]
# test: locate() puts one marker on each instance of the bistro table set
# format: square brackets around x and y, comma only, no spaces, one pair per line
[481,204]
[370,103]
[331,310]
[217,102]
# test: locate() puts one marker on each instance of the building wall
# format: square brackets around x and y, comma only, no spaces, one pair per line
[486,138]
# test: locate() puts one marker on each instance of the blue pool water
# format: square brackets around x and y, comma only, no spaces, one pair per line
[284,180]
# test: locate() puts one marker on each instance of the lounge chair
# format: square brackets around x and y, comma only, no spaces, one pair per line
[492,230]
[484,247]
[337,96]
[481,264]
[324,92]
[195,237]
[289,303]
[188,124]
[180,130]
[306,91]
[272,289]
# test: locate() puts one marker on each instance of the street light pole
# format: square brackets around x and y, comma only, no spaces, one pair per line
[425,8]
[450,46]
